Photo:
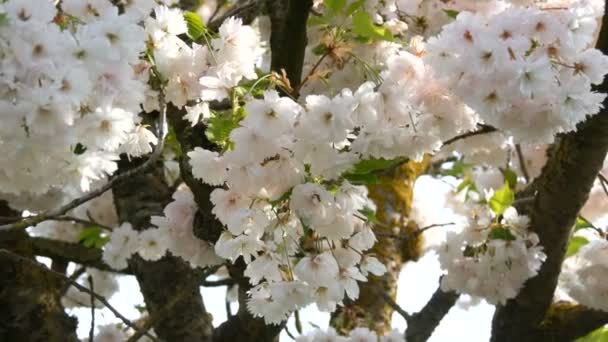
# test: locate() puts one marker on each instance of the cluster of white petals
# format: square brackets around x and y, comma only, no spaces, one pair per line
[489,259]
[584,274]
[70,89]
[355,335]
[173,233]
[523,60]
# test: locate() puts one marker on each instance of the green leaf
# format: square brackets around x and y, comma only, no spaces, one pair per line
[362,179]
[172,143]
[464,184]
[352,8]
[374,164]
[320,49]
[370,215]
[502,199]
[335,6]
[221,125]
[582,223]
[599,335]
[457,170]
[93,237]
[315,20]
[364,26]
[510,177]
[501,233]
[196,27]
[451,13]
[3,19]
[575,244]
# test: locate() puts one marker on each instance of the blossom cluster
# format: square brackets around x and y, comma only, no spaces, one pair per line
[355,335]
[173,233]
[492,256]
[523,60]
[70,89]
[197,73]
[584,275]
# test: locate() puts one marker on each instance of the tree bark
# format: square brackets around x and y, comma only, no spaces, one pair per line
[169,286]
[559,193]
[30,298]
[393,195]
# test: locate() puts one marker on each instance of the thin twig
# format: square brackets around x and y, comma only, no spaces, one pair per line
[389,300]
[92,330]
[54,213]
[312,71]
[73,277]
[482,129]
[414,233]
[81,221]
[78,286]
[603,182]
[522,162]
[219,282]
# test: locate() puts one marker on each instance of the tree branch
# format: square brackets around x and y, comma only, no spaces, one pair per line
[246,10]
[421,325]
[560,192]
[481,129]
[22,260]
[567,321]
[288,39]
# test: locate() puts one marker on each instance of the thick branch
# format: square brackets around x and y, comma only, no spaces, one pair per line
[567,321]
[246,10]
[30,299]
[243,326]
[560,192]
[288,39]
[421,325]
[168,280]
[65,251]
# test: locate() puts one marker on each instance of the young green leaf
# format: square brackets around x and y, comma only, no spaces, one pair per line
[582,223]
[501,233]
[335,6]
[364,26]
[451,13]
[502,199]
[93,237]
[374,164]
[196,27]
[575,244]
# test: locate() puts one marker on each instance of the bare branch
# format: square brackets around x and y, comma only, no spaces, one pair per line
[54,213]
[482,129]
[422,324]
[389,300]
[413,234]
[567,321]
[79,287]
[522,162]
[92,329]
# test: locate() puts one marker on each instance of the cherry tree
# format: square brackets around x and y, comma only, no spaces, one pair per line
[272,147]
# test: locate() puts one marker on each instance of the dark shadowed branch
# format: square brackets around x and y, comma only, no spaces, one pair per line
[421,325]
[560,192]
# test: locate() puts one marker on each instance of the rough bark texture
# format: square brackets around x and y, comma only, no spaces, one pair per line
[288,39]
[169,286]
[30,299]
[567,321]
[559,193]
[422,324]
[393,195]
